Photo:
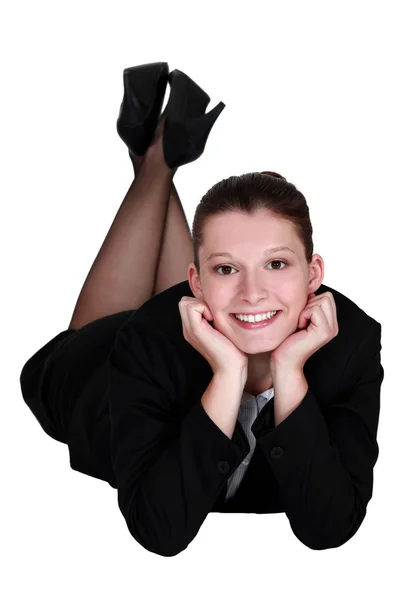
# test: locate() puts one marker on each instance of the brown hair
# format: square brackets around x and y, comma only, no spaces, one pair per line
[250,192]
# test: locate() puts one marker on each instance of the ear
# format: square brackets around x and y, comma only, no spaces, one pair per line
[316,273]
[194,281]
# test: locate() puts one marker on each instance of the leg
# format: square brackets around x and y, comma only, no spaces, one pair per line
[177,247]
[123,274]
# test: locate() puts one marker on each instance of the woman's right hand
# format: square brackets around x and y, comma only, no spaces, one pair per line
[221,354]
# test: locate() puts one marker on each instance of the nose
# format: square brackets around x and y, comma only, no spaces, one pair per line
[254,291]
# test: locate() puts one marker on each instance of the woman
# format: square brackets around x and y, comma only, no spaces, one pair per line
[162,385]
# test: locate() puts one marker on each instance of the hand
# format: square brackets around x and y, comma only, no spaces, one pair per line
[216,348]
[317,324]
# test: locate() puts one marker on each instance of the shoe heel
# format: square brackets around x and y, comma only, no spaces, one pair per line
[144,90]
[186,127]
[199,128]
[186,99]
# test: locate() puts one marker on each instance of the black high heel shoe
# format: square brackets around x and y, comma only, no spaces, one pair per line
[186,127]
[144,90]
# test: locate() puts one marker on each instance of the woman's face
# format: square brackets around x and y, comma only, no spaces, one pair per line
[255,279]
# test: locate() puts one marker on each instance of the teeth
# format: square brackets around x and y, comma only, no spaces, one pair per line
[255,319]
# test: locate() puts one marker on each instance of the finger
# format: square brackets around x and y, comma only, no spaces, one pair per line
[194,317]
[183,313]
[315,316]
[313,313]
[328,305]
[197,305]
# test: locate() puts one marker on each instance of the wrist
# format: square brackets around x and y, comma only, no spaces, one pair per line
[238,375]
[285,368]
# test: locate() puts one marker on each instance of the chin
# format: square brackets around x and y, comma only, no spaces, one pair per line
[257,347]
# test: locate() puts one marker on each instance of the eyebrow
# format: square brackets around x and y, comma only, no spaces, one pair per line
[267,251]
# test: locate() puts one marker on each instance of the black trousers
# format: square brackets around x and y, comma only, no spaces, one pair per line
[66,370]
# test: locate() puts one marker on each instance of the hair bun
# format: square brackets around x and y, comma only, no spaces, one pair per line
[273,174]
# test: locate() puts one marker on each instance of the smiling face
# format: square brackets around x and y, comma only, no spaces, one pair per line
[254,279]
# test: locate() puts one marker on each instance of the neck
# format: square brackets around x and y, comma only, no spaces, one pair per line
[259,376]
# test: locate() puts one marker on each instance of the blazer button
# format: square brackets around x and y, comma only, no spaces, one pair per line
[276,452]
[223,466]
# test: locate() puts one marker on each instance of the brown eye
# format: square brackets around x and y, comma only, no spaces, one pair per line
[223,267]
[228,267]
[277,262]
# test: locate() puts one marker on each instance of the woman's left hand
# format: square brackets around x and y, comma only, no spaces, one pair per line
[317,325]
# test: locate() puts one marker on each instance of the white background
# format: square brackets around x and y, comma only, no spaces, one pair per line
[311,91]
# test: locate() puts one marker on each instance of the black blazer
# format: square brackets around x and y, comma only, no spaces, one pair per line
[170,462]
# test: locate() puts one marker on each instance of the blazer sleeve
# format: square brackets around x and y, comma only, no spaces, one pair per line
[324,466]
[169,470]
